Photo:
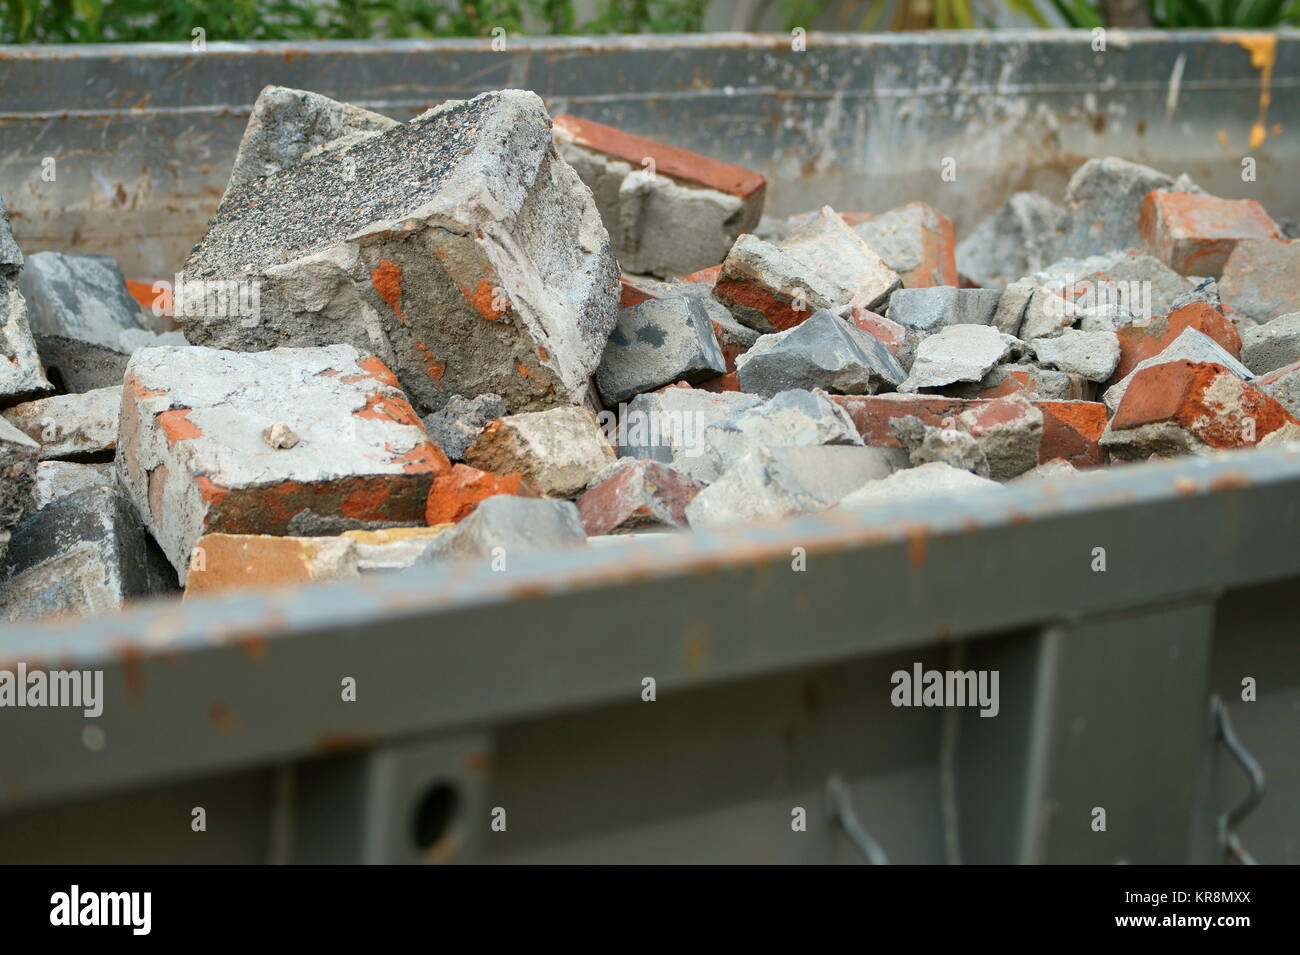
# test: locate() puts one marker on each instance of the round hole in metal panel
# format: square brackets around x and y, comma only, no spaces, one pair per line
[435,815]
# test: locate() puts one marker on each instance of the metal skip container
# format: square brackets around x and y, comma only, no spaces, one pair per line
[502,716]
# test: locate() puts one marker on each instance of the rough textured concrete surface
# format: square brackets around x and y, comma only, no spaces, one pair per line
[790,418]
[21,374]
[669,211]
[195,446]
[1259,279]
[932,480]
[1017,239]
[1272,345]
[1190,345]
[56,479]
[18,457]
[1194,233]
[1183,407]
[456,425]
[823,352]
[85,322]
[85,553]
[1091,355]
[1284,385]
[1010,313]
[916,241]
[458,247]
[11,257]
[768,290]
[71,427]
[930,309]
[1028,380]
[957,353]
[656,343]
[288,126]
[636,495]
[771,483]
[1009,431]
[1103,206]
[669,425]
[559,451]
[826,247]
[951,446]
[505,527]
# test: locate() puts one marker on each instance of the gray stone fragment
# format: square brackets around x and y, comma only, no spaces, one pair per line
[1104,318]
[669,425]
[656,343]
[1284,385]
[559,450]
[1053,470]
[926,444]
[1272,345]
[504,527]
[957,353]
[932,308]
[455,426]
[1009,431]
[71,427]
[1207,291]
[1011,307]
[823,352]
[85,553]
[1103,205]
[11,257]
[85,322]
[1029,380]
[932,480]
[828,248]
[21,375]
[1191,345]
[1091,355]
[1159,286]
[56,479]
[457,247]
[18,456]
[1018,238]
[790,418]
[771,483]
[288,126]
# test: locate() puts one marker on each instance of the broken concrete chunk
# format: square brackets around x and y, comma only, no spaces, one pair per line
[925,444]
[828,248]
[957,353]
[1284,385]
[1103,206]
[1259,279]
[656,343]
[771,483]
[191,454]
[454,495]
[71,427]
[85,322]
[636,495]
[85,553]
[1272,345]
[669,211]
[1028,380]
[1182,407]
[456,425]
[505,527]
[823,352]
[1091,355]
[56,479]
[793,417]
[1010,433]
[1194,233]
[1010,313]
[288,126]
[1053,470]
[932,480]
[1207,291]
[668,426]
[1017,239]
[392,548]
[458,246]
[18,456]
[929,309]
[21,374]
[11,257]
[559,451]
[768,290]
[916,241]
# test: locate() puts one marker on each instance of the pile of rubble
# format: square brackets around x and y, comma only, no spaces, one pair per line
[485,332]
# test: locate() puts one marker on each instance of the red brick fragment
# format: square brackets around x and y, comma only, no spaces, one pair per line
[1137,342]
[1194,234]
[455,495]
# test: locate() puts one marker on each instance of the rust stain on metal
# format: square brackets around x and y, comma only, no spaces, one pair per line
[916,536]
[343,741]
[1230,481]
[221,716]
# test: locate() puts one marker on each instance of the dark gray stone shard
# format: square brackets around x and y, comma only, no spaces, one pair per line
[658,342]
[506,526]
[455,426]
[823,352]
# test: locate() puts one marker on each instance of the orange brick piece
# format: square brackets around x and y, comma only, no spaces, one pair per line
[1194,234]
[1181,406]
[1137,343]
[454,495]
